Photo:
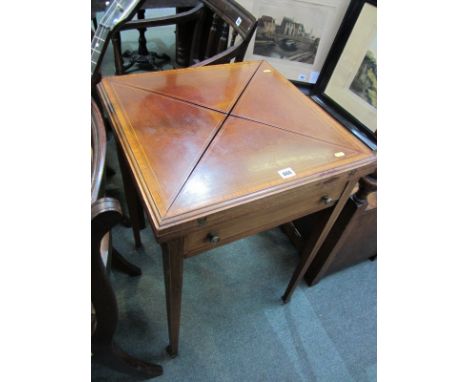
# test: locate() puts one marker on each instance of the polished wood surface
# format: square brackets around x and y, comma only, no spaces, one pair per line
[205,147]
[217,87]
[260,151]
[265,213]
[160,122]
[298,114]
[182,152]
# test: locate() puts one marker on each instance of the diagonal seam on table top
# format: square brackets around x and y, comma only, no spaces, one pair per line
[212,139]
[254,189]
[168,96]
[244,89]
[170,198]
[354,150]
[232,103]
[125,115]
[289,85]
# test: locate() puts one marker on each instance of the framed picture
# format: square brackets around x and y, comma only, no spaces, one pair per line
[295,35]
[347,85]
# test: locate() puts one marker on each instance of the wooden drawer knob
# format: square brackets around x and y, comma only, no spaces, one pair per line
[213,238]
[327,200]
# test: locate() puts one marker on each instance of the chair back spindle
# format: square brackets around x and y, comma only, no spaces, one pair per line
[212,37]
[222,43]
[233,38]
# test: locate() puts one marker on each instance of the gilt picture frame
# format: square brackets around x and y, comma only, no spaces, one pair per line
[347,85]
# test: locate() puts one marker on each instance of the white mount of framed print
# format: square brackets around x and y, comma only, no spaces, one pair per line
[294,35]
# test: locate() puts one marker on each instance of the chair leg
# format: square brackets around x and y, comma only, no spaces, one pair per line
[112,356]
[173,261]
[121,264]
[105,214]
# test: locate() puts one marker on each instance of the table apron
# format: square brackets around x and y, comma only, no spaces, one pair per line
[264,214]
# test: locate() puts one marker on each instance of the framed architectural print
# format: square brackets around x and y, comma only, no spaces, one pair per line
[347,85]
[295,35]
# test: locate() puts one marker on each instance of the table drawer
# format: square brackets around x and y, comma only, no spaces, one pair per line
[261,216]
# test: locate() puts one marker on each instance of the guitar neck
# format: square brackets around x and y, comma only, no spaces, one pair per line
[98,45]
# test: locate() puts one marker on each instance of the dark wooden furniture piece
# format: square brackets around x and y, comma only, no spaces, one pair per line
[98,151]
[352,239]
[105,213]
[221,152]
[202,34]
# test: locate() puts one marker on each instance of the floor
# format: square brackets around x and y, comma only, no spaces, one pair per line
[234,325]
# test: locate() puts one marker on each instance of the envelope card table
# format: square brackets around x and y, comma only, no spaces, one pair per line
[221,152]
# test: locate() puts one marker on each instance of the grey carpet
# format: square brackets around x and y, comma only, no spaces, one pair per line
[234,325]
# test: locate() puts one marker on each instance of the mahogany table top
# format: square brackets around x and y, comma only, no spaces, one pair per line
[202,140]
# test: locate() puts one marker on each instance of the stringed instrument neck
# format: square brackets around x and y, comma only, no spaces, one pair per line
[118,11]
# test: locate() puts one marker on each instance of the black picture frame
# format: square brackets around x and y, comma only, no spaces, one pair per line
[318,95]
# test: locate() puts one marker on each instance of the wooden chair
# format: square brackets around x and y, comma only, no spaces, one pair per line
[105,213]
[202,35]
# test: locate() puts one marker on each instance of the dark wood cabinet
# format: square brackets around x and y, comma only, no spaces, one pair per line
[352,239]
